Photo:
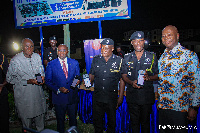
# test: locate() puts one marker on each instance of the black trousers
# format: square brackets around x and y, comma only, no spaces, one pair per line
[140,115]
[172,119]
[99,110]
[4,111]
[60,116]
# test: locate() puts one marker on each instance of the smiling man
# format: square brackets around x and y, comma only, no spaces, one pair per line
[106,70]
[179,87]
[140,97]
[51,52]
[60,74]
[28,93]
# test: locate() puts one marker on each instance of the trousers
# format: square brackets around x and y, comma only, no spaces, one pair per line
[169,120]
[99,110]
[39,122]
[61,110]
[140,115]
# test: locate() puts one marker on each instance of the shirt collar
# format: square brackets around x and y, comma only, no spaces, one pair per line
[62,60]
[113,56]
[174,50]
[143,55]
[52,48]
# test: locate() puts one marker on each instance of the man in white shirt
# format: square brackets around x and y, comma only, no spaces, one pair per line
[29,97]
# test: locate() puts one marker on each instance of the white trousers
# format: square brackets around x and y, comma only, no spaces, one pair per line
[39,122]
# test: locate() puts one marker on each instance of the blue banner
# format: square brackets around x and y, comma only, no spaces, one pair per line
[34,13]
[91,48]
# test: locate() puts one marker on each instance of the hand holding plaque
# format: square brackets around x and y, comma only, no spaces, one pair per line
[38,78]
[87,82]
[75,82]
[140,81]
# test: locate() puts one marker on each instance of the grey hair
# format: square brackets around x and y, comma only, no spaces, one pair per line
[26,39]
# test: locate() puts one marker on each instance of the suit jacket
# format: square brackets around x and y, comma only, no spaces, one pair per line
[55,78]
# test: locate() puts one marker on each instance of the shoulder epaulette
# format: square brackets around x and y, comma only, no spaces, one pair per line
[151,52]
[127,54]
[96,56]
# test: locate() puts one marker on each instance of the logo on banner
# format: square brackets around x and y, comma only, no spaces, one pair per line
[96,45]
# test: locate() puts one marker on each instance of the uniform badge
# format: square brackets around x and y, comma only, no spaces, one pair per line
[139,35]
[147,60]
[129,63]
[114,65]
[50,58]
[129,73]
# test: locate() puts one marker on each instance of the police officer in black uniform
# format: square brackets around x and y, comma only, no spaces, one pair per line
[140,97]
[106,71]
[51,52]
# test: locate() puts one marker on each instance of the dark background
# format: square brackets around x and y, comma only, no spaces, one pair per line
[146,15]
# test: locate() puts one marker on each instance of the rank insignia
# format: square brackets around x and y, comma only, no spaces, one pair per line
[129,63]
[147,60]
[114,65]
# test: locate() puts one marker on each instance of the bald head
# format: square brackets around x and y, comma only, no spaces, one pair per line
[27,47]
[62,45]
[62,51]
[170,37]
[171,27]
[26,40]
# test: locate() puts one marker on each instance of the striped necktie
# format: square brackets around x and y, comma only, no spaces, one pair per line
[65,69]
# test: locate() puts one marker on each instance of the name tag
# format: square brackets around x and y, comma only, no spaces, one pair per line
[114,70]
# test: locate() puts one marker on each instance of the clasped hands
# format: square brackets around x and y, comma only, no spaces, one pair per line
[34,81]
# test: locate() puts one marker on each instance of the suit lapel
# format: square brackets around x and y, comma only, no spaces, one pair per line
[69,67]
[61,72]
[59,69]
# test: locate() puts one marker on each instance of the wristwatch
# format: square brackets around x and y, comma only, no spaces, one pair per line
[58,91]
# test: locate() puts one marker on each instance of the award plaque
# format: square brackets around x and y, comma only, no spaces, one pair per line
[38,78]
[140,81]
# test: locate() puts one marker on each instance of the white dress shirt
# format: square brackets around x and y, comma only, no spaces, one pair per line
[61,62]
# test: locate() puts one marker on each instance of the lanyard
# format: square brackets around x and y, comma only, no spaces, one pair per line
[150,69]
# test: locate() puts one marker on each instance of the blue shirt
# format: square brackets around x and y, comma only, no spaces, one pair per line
[179,84]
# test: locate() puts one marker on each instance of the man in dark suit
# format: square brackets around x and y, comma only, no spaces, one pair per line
[60,74]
